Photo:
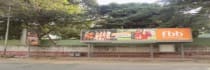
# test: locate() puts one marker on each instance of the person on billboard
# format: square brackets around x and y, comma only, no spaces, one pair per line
[140,34]
[86,36]
[96,35]
[103,35]
[146,35]
[89,35]
[100,36]
[108,33]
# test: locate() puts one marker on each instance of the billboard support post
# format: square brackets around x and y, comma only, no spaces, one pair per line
[29,49]
[89,50]
[182,51]
[92,50]
[151,51]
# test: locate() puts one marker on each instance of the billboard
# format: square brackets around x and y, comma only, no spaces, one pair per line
[174,34]
[32,38]
[136,35]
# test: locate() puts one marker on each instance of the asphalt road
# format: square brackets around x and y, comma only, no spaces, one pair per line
[103,66]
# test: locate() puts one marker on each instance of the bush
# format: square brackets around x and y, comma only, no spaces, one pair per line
[45,43]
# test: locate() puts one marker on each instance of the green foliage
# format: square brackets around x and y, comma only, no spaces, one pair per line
[199,21]
[73,30]
[198,42]
[61,5]
[39,15]
[133,14]
[11,42]
[45,43]
[171,14]
[46,16]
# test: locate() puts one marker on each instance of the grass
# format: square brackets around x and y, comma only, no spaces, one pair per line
[11,42]
[59,42]
[196,42]
[199,42]
[69,42]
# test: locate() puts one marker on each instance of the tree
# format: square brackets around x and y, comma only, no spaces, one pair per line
[38,15]
[132,15]
[81,22]
[47,16]
[198,21]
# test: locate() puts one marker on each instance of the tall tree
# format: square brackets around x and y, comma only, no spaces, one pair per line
[81,21]
[46,16]
[132,15]
[189,13]
[41,15]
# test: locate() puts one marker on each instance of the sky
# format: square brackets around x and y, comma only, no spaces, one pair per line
[105,2]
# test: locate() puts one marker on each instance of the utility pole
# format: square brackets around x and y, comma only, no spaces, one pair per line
[7,30]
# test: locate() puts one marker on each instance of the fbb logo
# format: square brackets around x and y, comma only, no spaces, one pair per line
[172,34]
[169,34]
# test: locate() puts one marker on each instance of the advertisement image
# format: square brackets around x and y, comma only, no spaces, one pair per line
[32,38]
[123,34]
[118,34]
[138,35]
[99,35]
[144,34]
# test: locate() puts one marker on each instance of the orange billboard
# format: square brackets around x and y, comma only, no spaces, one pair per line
[173,34]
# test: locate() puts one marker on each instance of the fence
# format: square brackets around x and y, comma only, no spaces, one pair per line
[118,51]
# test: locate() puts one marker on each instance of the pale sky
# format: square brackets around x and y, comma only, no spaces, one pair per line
[105,2]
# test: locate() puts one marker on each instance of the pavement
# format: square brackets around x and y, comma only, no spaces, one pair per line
[97,64]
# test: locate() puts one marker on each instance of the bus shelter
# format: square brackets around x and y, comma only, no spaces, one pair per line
[137,36]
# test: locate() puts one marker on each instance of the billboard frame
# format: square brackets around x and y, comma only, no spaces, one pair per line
[135,41]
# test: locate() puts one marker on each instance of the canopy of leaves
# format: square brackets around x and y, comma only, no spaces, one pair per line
[187,15]
[132,15]
[44,16]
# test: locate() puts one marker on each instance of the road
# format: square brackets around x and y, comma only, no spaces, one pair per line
[102,66]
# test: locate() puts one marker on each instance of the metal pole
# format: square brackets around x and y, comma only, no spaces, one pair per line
[151,51]
[27,41]
[182,51]
[7,31]
[92,50]
[89,50]
[29,48]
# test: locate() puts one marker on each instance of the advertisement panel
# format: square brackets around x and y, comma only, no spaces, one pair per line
[174,34]
[118,34]
[98,35]
[32,38]
[136,35]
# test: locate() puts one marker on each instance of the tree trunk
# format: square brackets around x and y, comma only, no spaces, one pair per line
[23,36]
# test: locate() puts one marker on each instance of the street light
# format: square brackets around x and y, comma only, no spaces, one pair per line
[7,31]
